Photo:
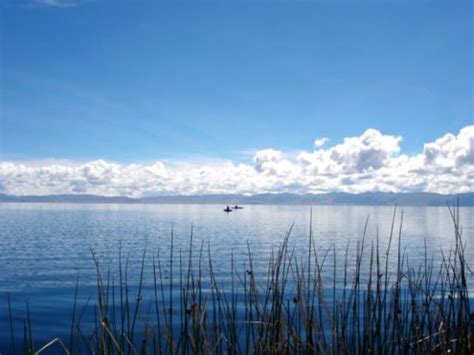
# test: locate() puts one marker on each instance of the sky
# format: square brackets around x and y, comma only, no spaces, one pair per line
[143,98]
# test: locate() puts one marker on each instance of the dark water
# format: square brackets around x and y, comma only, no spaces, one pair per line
[46,248]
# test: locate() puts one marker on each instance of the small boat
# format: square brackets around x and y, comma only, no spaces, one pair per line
[236,207]
[227,209]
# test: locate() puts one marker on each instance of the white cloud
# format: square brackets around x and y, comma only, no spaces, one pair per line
[320,141]
[266,158]
[57,3]
[369,162]
[371,150]
[450,151]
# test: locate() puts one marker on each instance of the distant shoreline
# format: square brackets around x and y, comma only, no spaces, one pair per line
[327,199]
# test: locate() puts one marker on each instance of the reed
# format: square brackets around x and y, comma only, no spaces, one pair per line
[302,305]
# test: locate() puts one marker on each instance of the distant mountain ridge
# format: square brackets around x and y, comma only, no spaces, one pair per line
[332,198]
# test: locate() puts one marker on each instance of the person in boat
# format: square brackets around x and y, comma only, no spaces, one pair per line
[227,209]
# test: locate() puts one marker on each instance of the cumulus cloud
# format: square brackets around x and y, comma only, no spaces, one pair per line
[451,151]
[371,150]
[370,162]
[265,159]
[320,141]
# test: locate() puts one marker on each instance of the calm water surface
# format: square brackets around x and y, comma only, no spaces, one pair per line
[46,248]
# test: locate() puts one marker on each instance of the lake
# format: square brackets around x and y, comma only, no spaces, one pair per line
[45,249]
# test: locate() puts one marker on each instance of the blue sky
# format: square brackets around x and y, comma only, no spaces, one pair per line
[149,97]
[143,81]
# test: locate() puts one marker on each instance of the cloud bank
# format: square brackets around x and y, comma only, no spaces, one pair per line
[370,162]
